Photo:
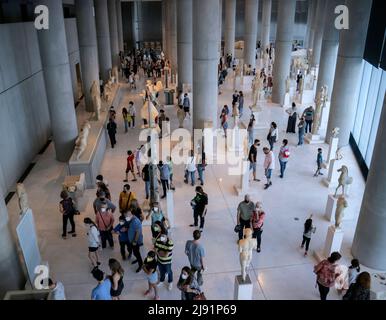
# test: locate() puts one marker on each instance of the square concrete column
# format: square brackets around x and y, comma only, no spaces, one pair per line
[172,33]
[266,24]
[318,38]
[310,12]
[119,25]
[57,78]
[88,48]
[349,70]
[250,37]
[113,27]
[137,24]
[205,48]
[230,27]
[185,42]
[164,28]
[103,38]
[284,38]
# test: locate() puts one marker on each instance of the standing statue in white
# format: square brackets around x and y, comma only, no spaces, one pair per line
[335,132]
[320,104]
[96,99]
[339,212]
[246,247]
[23,198]
[81,142]
[344,180]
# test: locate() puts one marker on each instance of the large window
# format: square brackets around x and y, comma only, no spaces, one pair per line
[369,108]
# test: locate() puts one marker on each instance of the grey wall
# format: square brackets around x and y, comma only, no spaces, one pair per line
[24,116]
[73,51]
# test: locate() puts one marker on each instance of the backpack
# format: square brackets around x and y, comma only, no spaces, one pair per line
[68,206]
[326,273]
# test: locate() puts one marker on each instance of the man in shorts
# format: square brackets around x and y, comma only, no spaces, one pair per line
[252,157]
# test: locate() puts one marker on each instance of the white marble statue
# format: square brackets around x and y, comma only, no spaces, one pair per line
[107,91]
[335,132]
[246,247]
[338,154]
[115,74]
[344,180]
[339,212]
[149,113]
[81,141]
[320,104]
[257,86]
[23,198]
[287,84]
[96,99]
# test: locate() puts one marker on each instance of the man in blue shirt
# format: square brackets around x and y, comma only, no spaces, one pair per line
[102,290]
[135,239]
[121,230]
[164,177]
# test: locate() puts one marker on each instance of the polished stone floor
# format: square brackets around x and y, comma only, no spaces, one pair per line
[280,271]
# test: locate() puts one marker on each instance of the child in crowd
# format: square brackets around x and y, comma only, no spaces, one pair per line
[319,162]
[353,271]
[130,166]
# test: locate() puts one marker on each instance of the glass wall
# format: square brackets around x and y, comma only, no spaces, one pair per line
[369,108]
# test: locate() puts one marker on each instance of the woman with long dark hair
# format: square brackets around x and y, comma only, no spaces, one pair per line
[116,279]
[93,241]
[308,230]
[360,290]
[188,284]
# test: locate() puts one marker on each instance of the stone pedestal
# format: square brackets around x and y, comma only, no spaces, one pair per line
[287,100]
[243,289]
[313,138]
[243,188]
[331,208]
[333,147]
[170,207]
[333,243]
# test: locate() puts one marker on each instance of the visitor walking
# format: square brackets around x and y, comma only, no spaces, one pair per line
[309,229]
[164,249]
[121,229]
[103,289]
[199,203]
[196,253]
[244,215]
[224,122]
[150,269]
[308,115]
[241,103]
[273,135]
[188,285]
[252,157]
[251,130]
[131,113]
[283,157]
[105,223]
[164,177]
[190,169]
[135,239]
[138,158]
[257,223]
[130,166]
[269,166]
[319,163]
[116,279]
[125,116]
[201,168]
[112,131]
[93,241]
[146,179]
[301,131]
[292,117]
[326,274]
[169,162]
[186,104]
[67,209]
[125,198]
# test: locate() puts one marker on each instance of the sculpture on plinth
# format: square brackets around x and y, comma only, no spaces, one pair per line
[338,154]
[320,104]
[149,114]
[335,132]
[339,212]
[96,99]
[246,247]
[257,85]
[81,141]
[23,198]
[107,91]
[115,74]
[344,180]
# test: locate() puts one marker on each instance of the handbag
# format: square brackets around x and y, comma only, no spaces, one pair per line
[199,296]
[238,228]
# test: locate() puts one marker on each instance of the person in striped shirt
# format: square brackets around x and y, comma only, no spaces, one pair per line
[164,249]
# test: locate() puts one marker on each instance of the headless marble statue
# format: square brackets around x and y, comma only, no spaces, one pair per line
[81,142]
[107,90]
[320,104]
[96,99]
[23,198]
[246,247]
[339,212]
[343,180]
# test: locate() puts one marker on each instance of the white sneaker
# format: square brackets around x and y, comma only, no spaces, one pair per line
[170,286]
[160,284]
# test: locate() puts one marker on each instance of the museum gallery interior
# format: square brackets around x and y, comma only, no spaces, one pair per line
[126,123]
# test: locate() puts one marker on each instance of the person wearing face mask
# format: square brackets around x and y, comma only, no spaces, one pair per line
[150,269]
[164,249]
[244,214]
[156,214]
[257,222]
[159,228]
[135,236]
[102,199]
[121,230]
[93,241]
[199,203]
[125,198]
[188,285]
[105,221]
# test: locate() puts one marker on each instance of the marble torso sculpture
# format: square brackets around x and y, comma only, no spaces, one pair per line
[107,90]
[320,104]
[335,132]
[339,212]
[23,198]
[115,74]
[81,142]
[343,180]
[96,99]
[246,247]
[257,85]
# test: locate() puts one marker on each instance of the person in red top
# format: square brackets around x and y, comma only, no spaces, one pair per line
[257,222]
[326,274]
[105,222]
[130,166]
